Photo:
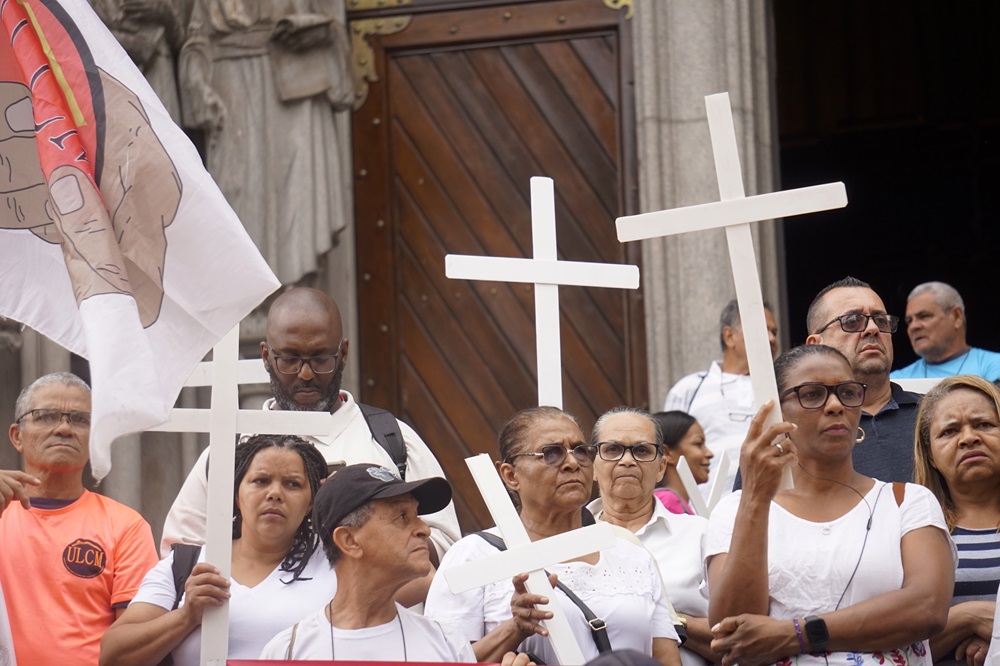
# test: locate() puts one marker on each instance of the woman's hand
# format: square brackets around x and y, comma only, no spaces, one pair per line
[527,618]
[525,621]
[973,650]
[204,588]
[761,461]
[749,640]
[516,659]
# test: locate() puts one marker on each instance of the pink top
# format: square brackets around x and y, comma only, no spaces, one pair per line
[673,501]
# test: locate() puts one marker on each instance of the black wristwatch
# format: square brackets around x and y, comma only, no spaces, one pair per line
[817,634]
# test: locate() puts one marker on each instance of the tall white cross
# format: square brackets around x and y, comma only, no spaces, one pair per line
[547,273]
[224,421]
[735,212]
[523,555]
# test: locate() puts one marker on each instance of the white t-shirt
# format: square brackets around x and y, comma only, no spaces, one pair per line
[350,440]
[723,404]
[425,640]
[623,589]
[255,613]
[677,542]
[810,565]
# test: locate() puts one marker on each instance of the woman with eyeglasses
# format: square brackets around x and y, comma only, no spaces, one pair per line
[839,569]
[957,456]
[548,467]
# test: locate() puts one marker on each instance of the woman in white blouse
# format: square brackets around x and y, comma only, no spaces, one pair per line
[839,569]
[546,462]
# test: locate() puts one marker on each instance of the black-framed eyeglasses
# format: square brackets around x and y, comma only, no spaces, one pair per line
[641,452]
[51,417]
[323,364]
[813,395]
[553,455]
[857,322]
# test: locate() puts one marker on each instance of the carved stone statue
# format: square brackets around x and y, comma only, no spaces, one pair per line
[264,79]
[151,32]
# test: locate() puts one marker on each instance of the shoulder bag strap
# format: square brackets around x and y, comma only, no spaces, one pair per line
[898,491]
[598,627]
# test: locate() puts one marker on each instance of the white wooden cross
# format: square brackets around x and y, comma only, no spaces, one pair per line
[547,273]
[224,421]
[523,555]
[701,506]
[735,212]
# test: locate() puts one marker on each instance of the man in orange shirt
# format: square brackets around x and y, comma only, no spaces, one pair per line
[70,560]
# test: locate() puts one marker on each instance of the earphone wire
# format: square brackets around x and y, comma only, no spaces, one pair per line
[868,528]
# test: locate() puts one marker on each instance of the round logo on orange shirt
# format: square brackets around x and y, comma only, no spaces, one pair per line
[84,558]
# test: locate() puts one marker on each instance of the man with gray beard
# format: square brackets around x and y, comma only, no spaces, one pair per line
[305,353]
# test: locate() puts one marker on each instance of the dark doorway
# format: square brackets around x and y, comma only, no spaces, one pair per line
[901,101]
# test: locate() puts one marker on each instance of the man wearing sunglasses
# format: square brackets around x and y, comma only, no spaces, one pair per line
[850,317]
[305,353]
[71,559]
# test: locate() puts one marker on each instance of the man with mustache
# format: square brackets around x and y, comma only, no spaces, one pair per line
[850,317]
[305,353]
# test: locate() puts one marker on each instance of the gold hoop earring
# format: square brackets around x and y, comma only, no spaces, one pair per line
[861,437]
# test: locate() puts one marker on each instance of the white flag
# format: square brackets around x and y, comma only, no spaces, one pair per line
[114,240]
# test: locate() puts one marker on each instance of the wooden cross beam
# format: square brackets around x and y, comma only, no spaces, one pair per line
[546,272]
[735,212]
[523,555]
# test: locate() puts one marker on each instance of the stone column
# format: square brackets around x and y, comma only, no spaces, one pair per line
[685,50]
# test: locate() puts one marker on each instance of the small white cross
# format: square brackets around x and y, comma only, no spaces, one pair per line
[523,555]
[735,212]
[224,421]
[547,273]
[702,507]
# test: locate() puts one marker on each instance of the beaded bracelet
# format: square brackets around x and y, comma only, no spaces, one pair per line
[798,632]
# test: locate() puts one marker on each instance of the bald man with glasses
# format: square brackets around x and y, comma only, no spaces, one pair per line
[850,317]
[305,353]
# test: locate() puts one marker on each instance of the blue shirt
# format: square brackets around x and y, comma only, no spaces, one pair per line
[976,361]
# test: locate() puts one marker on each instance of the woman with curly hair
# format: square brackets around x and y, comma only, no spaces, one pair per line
[278,574]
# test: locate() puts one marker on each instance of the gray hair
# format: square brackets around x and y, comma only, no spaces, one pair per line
[946,296]
[626,410]
[25,400]
[356,519]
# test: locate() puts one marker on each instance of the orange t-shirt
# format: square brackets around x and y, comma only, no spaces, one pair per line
[63,569]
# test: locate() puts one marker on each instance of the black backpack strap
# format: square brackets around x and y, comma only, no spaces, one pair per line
[385,430]
[185,557]
[598,627]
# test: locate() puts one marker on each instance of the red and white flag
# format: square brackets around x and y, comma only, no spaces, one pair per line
[114,240]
